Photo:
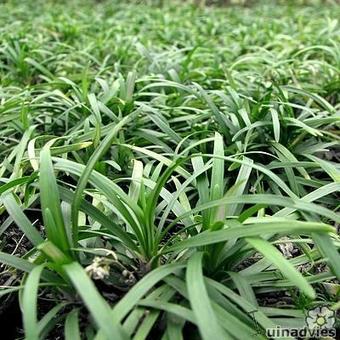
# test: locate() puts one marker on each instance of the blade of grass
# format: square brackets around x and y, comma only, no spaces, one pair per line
[72,331]
[95,303]
[287,269]
[29,303]
[50,203]
[81,185]
[207,321]
[20,219]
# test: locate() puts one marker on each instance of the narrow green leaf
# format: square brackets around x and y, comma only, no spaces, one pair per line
[50,203]
[95,303]
[329,251]
[217,175]
[72,331]
[29,304]
[20,219]
[287,269]
[81,185]
[328,167]
[50,316]
[15,182]
[123,307]
[199,300]
[276,124]
[244,288]
[211,237]
[173,308]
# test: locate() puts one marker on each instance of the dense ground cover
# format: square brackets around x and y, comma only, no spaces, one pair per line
[167,172]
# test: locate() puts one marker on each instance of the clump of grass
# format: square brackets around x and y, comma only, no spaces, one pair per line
[172,169]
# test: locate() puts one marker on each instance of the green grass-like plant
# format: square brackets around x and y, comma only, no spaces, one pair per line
[171,169]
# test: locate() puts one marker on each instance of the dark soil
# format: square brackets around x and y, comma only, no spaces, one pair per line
[13,242]
[10,318]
